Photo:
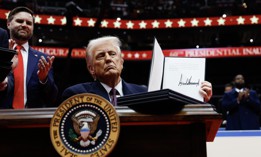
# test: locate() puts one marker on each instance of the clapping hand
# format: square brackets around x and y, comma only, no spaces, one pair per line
[15,58]
[3,84]
[243,95]
[44,66]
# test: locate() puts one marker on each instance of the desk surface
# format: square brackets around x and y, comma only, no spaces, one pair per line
[194,113]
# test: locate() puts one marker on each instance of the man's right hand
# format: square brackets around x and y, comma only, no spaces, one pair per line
[15,61]
[240,96]
[3,84]
[15,58]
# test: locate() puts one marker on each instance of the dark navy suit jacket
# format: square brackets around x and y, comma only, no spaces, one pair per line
[3,38]
[97,88]
[242,116]
[38,95]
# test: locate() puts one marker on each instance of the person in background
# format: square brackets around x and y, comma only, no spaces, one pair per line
[3,38]
[228,87]
[105,63]
[36,87]
[242,106]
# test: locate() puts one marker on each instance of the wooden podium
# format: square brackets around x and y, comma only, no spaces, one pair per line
[26,132]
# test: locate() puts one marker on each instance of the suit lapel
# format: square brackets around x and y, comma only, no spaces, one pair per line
[98,89]
[126,89]
[32,64]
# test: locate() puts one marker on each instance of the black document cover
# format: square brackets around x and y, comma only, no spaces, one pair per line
[157,102]
[6,56]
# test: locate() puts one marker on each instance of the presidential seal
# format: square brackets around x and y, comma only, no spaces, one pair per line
[85,125]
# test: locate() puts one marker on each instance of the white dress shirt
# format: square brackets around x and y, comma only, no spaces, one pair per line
[118,87]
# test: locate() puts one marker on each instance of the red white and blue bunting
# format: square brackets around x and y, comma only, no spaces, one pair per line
[145,24]
[153,24]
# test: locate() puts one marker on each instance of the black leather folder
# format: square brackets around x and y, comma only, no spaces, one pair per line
[165,101]
[6,56]
[4,71]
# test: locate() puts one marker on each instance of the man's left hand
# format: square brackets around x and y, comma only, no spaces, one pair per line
[44,67]
[206,90]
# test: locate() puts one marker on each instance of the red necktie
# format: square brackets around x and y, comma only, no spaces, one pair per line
[18,101]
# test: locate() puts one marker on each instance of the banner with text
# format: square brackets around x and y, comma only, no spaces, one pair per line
[147,54]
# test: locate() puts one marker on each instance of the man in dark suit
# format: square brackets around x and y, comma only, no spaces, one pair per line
[242,106]
[40,89]
[105,64]
[3,38]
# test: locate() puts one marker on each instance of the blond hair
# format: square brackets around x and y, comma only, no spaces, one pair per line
[115,41]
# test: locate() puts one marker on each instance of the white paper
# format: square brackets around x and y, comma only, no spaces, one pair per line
[184,75]
[156,70]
